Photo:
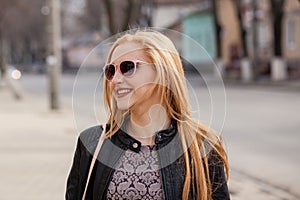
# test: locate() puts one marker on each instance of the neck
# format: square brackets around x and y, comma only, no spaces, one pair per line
[143,126]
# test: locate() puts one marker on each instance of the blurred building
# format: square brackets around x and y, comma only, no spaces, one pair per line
[195,19]
[291,36]
[265,38]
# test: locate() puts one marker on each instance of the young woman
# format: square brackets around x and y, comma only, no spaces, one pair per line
[153,149]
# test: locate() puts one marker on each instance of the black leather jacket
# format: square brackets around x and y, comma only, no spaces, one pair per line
[170,156]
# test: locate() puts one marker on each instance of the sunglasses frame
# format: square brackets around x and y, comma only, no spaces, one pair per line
[117,67]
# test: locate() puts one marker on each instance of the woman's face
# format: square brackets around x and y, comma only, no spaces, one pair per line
[135,91]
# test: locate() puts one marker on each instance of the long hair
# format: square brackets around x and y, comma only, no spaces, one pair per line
[173,92]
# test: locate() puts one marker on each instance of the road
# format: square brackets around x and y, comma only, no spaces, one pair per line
[260,131]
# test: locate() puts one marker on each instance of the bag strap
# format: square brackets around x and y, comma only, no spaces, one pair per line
[100,142]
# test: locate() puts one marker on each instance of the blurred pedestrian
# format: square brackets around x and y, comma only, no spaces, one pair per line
[153,148]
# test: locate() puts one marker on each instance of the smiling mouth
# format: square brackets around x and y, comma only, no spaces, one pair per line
[122,92]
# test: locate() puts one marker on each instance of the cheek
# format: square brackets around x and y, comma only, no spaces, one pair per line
[144,92]
[147,76]
[144,84]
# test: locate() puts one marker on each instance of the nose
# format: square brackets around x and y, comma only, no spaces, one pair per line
[118,77]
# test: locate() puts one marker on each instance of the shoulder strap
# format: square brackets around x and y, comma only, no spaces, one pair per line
[101,139]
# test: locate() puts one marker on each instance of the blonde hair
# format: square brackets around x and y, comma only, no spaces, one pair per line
[173,91]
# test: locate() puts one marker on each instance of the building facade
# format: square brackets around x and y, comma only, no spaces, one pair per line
[195,19]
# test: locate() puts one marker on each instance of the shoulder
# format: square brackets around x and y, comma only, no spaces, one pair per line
[217,175]
[214,159]
[89,137]
[211,152]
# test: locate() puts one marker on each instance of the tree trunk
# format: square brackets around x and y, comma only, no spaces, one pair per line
[134,12]
[278,65]
[2,64]
[110,16]
[54,54]
[242,31]
[246,67]
[255,66]
[218,29]
[246,70]
[277,7]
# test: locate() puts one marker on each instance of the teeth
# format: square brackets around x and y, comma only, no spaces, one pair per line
[123,91]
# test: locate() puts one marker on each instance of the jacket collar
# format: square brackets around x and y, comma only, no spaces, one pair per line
[162,137]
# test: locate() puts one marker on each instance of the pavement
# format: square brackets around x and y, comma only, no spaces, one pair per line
[291,85]
[37,146]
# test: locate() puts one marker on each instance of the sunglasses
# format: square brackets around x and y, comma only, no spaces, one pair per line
[127,68]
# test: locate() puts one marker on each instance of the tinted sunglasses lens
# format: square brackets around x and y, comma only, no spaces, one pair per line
[109,71]
[127,68]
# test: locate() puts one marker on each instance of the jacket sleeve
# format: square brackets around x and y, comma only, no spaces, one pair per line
[86,144]
[73,182]
[218,178]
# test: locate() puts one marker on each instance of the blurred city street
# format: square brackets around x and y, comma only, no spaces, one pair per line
[44,106]
[261,135]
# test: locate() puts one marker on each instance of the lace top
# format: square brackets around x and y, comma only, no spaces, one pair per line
[137,176]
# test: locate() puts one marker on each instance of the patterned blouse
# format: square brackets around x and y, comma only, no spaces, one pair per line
[137,176]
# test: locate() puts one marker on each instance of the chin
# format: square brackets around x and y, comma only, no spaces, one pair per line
[123,105]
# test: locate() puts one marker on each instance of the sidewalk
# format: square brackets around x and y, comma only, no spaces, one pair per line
[244,187]
[286,85]
[37,146]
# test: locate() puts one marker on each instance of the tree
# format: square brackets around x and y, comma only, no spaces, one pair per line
[122,16]
[218,32]
[24,36]
[5,8]
[247,71]
[278,68]
[2,65]
[54,53]
[242,30]
[21,35]
[218,29]
[119,15]
[277,10]
[91,17]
